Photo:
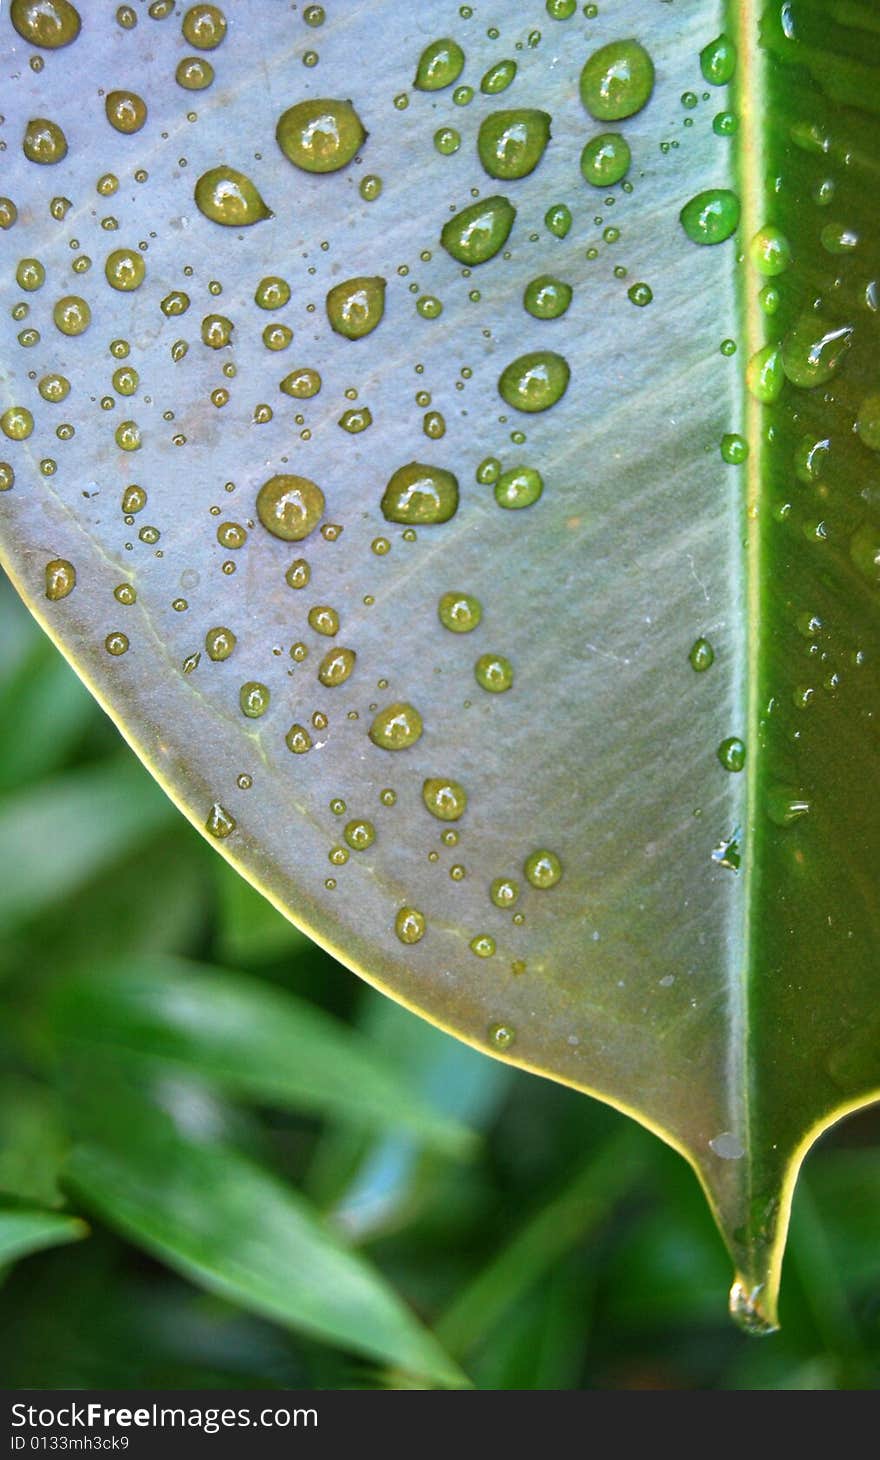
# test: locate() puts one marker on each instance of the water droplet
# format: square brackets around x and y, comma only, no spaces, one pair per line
[220,822]
[17,423]
[501,1036]
[396,727]
[868,422]
[302,384]
[483,945]
[498,77]
[356,307]
[702,655]
[606,160]
[510,144]
[253,698]
[864,551]
[445,799]
[125,110]
[727,1146]
[409,925]
[734,448]
[547,297]
[219,643]
[116,644]
[504,892]
[521,486]
[765,376]
[617,81]
[320,135]
[786,804]
[60,579]
[535,381]
[194,73]
[44,141]
[8,213]
[640,294]
[360,834]
[336,666]
[227,196]
[290,507]
[557,220]
[47,23]
[71,315]
[204,26]
[542,868]
[447,141]
[477,232]
[370,187]
[459,612]
[711,216]
[725,124]
[30,274]
[272,292]
[128,436]
[298,740]
[745,1310]
[770,252]
[440,64]
[125,270]
[813,350]
[718,61]
[732,753]
[420,494]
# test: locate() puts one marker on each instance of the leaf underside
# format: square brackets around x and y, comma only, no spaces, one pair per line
[707,960]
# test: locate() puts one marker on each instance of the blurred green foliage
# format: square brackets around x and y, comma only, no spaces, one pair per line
[225,1162]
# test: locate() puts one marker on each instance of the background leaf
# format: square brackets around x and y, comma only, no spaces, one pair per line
[214,1216]
[251,1040]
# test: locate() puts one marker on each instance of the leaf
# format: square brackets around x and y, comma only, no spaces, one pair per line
[63,835]
[697,575]
[25,1229]
[238,1231]
[253,1041]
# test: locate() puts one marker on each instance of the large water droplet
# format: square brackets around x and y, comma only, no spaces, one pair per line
[420,494]
[320,135]
[617,81]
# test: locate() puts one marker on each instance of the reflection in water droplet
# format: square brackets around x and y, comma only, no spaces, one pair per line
[396,727]
[220,822]
[440,64]
[409,925]
[535,381]
[459,612]
[445,799]
[732,753]
[290,507]
[510,144]
[356,307]
[501,1036]
[542,868]
[476,233]
[419,494]
[745,1310]
[617,81]
[702,655]
[320,135]
[60,579]
[711,217]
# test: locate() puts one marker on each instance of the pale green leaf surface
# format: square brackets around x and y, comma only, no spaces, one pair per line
[735,1015]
